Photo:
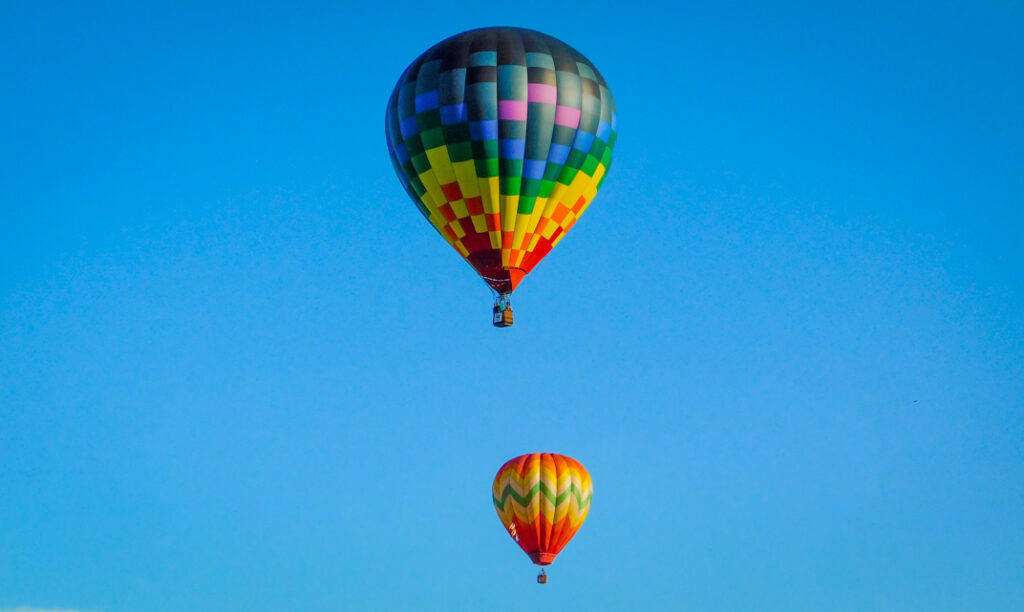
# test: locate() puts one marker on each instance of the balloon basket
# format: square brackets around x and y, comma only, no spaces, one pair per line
[503,311]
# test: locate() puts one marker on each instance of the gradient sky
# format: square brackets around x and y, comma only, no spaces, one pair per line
[238,371]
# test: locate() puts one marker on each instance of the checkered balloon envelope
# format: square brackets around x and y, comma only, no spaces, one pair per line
[502,137]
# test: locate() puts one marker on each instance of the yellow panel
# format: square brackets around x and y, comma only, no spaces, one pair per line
[489,195]
[567,195]
[439,222]
[433,187]
[459,208]
[550,230]
[538,212]
[590,191]
[489,192]
[479,223]
[520,230]
[582,185]
[436,218]
[457,228]
[558,194]
[441,164]
[465,171]
[509,204]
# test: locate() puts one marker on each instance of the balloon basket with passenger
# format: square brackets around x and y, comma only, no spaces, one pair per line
[503,311]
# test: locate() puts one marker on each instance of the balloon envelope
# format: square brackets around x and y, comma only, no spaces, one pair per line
[542,499]
[502,137]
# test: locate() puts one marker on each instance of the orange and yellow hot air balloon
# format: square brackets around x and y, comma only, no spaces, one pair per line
[542,499]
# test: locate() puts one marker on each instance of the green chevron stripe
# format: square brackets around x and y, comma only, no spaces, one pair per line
[525,500]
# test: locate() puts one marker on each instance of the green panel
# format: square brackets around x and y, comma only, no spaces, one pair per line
[551,171]
[490,149]
[417,186]
[563,135]
[526,204]
[457,132]
[460,151]
[414,145]
[510,185]
[421,163]
[486,167]
[568,173]
[531,187]
[576,159]
[428,120]
[511,168]
[433,138]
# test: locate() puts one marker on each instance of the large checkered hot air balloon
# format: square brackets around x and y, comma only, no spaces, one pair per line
[542,499]
[502,137]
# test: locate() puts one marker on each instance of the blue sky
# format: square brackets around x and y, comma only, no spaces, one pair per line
[238,371]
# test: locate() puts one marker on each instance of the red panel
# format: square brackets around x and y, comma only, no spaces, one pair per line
[452,192]
[533,258]
[447,211]
[474,241]
[475,206]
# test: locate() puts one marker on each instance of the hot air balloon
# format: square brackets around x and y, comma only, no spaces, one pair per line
[542,499]
[502,137]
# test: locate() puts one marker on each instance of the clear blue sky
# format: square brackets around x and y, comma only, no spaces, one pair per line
[238,371]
